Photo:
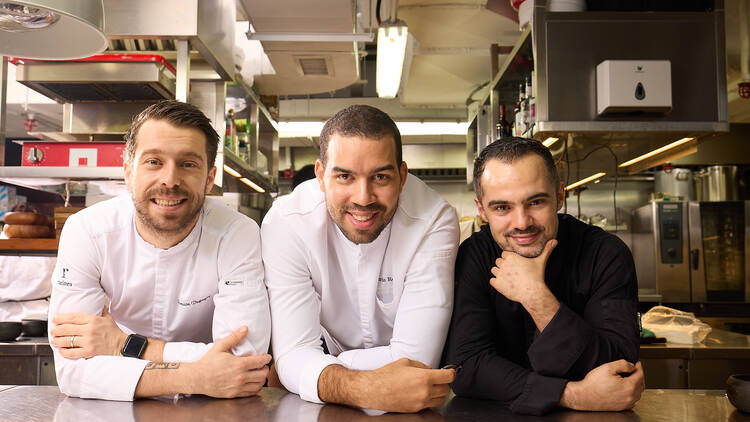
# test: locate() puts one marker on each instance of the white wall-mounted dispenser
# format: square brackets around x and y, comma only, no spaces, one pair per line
[633,86]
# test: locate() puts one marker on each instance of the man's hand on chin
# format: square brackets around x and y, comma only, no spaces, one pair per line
[613,386]
[521,280]
[94,335]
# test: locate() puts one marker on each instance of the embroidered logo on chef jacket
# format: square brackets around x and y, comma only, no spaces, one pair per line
[62,281]
[188,302]
[384,291]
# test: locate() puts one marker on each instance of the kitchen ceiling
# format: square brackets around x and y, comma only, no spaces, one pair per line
[451,62]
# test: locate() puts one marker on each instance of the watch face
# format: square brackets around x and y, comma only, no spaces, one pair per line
[134,346]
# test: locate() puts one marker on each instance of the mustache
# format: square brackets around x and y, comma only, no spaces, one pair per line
[176,191]
[365,208]
[529,230]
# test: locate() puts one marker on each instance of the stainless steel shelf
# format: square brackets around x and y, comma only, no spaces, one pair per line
[245,170]
[696,128]
[80,180]
[62,174]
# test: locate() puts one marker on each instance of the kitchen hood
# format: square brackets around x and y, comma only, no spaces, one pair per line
[103,77]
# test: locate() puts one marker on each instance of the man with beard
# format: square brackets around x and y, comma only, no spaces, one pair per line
[178,271]
[545,310]
[359,268]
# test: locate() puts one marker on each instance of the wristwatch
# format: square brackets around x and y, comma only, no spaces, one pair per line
[134,346]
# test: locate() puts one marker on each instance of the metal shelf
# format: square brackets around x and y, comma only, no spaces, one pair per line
[63,174]
[77,179]
[245,170]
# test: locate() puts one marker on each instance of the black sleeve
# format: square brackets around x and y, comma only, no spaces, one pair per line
[608,329]
[471,343]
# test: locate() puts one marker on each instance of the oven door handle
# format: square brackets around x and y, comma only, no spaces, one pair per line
[694,254]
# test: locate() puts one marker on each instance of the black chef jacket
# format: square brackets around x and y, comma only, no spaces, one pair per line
[503,355]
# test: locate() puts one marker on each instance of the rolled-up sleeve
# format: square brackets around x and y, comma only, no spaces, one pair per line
[76,288]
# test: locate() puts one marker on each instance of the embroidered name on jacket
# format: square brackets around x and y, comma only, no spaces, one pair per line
[192,302]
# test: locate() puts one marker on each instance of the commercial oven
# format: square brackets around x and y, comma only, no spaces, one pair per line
[692,251]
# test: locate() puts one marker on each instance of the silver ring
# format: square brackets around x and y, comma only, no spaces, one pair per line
[72,339]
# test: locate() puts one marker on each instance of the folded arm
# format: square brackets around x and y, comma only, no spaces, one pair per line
[107,375]
[483,372]
[607,330]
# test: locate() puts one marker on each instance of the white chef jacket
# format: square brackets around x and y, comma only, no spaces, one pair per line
[372,303]
[201,289]
[25,286]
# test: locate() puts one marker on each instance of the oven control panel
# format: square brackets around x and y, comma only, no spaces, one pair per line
[670,232]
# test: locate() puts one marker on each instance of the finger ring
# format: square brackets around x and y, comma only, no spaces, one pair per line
[72,339]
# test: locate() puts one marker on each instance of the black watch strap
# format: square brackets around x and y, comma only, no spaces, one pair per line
[134,346]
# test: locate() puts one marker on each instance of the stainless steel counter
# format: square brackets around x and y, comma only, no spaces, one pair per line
[27,361]
[703,365]
[46,403]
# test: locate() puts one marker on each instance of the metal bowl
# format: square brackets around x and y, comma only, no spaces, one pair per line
[9,330]
[738,391]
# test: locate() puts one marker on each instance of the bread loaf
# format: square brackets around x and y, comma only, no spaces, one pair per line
[26,218]
[25,231]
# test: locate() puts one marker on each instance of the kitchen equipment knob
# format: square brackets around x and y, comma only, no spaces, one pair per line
[35,155]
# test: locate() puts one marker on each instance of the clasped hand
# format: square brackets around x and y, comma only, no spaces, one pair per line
[94,335]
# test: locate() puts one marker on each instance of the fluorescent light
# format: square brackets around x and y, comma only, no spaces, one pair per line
[549,141]
[231,171]
[313,129]
[252,185]
[390,59]
[656,151]
[300,129]
[583,181]
[432,128]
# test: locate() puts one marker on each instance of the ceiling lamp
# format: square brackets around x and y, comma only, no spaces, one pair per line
[392,40]
[585,180]
[52,29]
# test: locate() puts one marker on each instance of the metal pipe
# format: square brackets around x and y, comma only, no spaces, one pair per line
[744,28]
[182,82]
[3,104]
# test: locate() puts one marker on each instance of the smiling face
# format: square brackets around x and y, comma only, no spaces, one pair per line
[361,181]
[520,203]
[168,177]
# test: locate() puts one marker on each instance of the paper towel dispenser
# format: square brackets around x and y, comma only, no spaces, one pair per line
[633,86]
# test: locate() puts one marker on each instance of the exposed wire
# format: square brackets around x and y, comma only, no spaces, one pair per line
[567,176]
[377,12]
[614,156]
[477,89]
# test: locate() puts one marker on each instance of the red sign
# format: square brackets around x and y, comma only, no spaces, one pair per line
[73,154]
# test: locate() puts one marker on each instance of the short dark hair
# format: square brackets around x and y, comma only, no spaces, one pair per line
[360,120]
[304,174]
[508,150]
[178,114]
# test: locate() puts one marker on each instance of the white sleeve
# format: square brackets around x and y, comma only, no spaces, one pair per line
[427,297]
[76,288]
[242,298]
[295,310]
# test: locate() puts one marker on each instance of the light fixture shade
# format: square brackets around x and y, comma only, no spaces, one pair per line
[78,31]
[390,59]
